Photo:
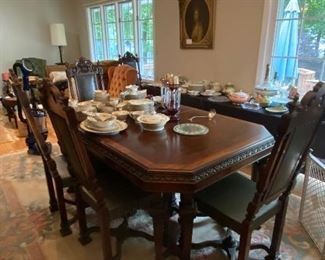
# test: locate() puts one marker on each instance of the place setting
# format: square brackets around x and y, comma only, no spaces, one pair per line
[103,123]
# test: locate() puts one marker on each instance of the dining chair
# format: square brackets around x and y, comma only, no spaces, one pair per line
[109,194]
[241,204]
[60,175]
[132,60]
[84,78]
[119,77]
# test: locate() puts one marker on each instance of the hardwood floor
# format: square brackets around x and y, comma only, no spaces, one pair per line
[18,143]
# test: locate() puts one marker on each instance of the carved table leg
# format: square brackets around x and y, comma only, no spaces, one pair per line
[186,215]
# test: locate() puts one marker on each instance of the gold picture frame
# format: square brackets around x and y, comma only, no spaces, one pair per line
[196,19]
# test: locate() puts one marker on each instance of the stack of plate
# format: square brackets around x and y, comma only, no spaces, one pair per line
[140,94]
[140,104]
[103,123]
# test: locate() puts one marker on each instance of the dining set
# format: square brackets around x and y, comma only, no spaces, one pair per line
[135,151]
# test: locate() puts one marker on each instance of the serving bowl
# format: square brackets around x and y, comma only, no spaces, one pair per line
[155,122]
[239,97]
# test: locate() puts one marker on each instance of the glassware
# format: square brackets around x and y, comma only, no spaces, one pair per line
[171,99]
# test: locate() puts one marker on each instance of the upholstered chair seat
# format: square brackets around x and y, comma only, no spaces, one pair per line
[119,77]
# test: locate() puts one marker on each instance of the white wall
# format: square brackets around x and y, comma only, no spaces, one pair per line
[236,42]
[24,30]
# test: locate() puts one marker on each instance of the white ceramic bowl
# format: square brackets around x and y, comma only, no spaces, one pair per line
[154,122]
[136,114]
[121,114]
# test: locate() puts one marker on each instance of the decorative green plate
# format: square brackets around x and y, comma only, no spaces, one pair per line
[279,109]
[191,129]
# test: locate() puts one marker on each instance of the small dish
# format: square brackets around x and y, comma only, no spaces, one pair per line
[279,109]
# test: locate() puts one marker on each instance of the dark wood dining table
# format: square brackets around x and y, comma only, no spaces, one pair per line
[168,162]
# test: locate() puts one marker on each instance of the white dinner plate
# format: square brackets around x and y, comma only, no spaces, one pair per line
[121,126]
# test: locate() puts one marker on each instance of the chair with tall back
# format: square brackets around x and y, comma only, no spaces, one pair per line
[107,193]
[242,205]
[84,78]
[119,77]
[61,178]
[132,60]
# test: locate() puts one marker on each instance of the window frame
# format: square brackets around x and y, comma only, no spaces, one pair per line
[136,25]
[267,41]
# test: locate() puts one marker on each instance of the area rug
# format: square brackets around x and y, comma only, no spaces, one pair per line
[29,231]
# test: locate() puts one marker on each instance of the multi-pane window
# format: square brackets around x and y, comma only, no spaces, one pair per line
[121,26]
[298,54]
[97,33]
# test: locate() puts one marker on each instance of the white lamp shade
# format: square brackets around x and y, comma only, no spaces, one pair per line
[58,34]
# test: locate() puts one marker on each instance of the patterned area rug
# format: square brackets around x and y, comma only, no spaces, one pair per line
[29,231]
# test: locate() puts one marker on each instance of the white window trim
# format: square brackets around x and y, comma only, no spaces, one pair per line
[99,3]
[266,39]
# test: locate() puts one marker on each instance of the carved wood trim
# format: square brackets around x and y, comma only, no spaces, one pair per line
[183,178]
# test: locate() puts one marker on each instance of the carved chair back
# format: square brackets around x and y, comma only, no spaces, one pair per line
[295,135]
[85,77]
[132,60]
[65,124]
[34,127]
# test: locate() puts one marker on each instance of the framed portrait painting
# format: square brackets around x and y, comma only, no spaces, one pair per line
[196,23]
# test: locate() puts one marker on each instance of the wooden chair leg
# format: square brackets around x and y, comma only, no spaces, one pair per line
[245,241]
[105,233]
[84,237]
[50,188]
[65,226]
[278,230]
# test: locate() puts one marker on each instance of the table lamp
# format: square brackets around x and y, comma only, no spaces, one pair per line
[58,37]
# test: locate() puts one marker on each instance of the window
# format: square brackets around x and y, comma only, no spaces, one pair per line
[121,26]
[298,53]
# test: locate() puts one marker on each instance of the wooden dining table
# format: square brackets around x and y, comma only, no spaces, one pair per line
[168,162]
